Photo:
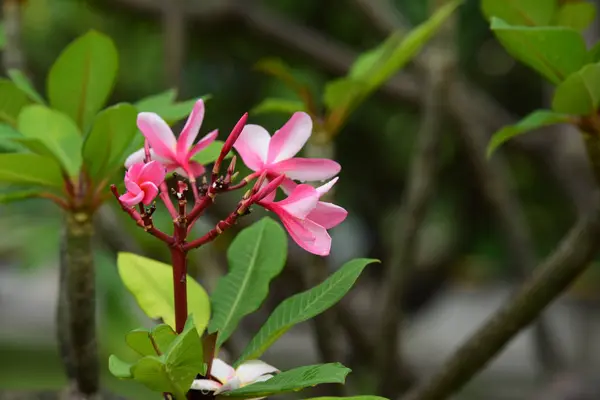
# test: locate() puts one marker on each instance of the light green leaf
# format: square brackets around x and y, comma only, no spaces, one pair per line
[164,104]
[304,306]
[12,101]
[56,132]
[16,195]
[521,12]
[595,53]
[8,135]
[119,368]
[2,36]
[579,94]
[256,256]
[82,78]
[163,336]
[576,15]
[274,105]
[184,359]
[151,371]
[341,91]
[23,83]
[210,153]
[151,283]
[113,131]
[140,341]
[376,66]
[554,52]
[23,168]
[294,380]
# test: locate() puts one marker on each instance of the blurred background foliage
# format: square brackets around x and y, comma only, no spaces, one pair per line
[374,150]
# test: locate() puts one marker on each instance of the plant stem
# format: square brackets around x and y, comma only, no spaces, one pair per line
[179,260]
[76,314]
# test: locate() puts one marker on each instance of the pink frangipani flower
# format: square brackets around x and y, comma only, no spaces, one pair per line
[294,213]
[175,154]
[261,152]
[142,181]
[227,378]
[326,214]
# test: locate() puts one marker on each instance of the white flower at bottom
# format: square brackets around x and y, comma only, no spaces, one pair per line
[229,379]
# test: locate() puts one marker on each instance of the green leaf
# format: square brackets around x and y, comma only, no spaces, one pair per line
[521,12]
[210,153]
[151,371]
[376,66]
[164,104]
[294,380]
[304,306]
[113,131]
[554,52]
[12,101]
[82,78]
[119,368]
[25,85]
[16,195]
[535,120]
[256,256]
[579,94]
[140,341]
[151,283]
[56,132]
[8,137]
[340,92]
[349,398]
[576,15]
[595,53]
[185,360]
[163,336]
[274,105]
[2,36]
[23,168]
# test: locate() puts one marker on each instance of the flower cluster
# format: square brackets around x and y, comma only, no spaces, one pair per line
[271,158]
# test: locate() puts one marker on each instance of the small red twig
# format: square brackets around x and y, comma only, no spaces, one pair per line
[164,196]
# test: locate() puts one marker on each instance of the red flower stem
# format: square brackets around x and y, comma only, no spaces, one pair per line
[213,233]
[200,206]
[164,196]
[179,261]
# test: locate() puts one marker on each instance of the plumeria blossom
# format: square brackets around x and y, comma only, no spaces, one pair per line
[142,181]
[326,214]
[175,154]
[294,211]
[227,378]
[261,152]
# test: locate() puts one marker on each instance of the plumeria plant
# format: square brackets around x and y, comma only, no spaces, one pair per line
[554,28]
[181,356]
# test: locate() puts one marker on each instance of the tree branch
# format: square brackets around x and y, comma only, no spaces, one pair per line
[550,279]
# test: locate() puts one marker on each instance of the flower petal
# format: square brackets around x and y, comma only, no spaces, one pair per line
[250,371]
[131,186]
[152,172]
[327,187]
[205,385]
[134,171]
[221,370]
[130,199]
[322,243]
[253,146]
[136,157]
[328,215]
[288,140]
[296,229]
[203,143]
[150,192]
[307,169]
[193,169]
[158,133]
[301,201]
[191,128]
[231,384]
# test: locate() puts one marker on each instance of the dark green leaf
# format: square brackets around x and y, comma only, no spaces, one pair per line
[23,83]
[113,131]
[304,306]
[294,380]
[22,168]
[576,15]
[151,284]
[82,78]
[256,256]
[12,101]
[16,195]
[184,359]
[8,134]
[210,153]
[274,105]
[56,132]
[595,53]
[554,52]
[349,398]
[579,94]
[521,12]
[535,120]
[119,368]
